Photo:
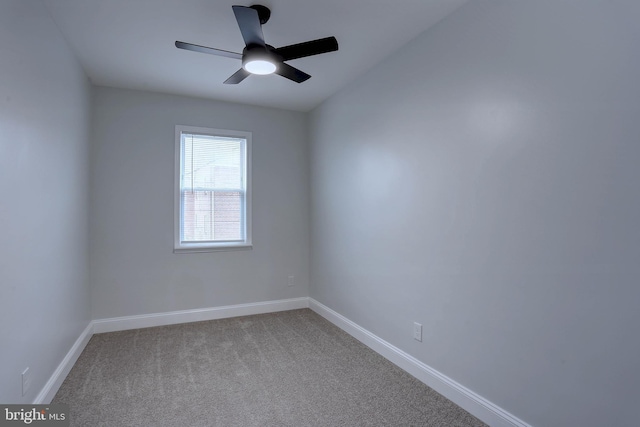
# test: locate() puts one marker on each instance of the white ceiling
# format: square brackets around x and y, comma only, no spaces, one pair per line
[130,43]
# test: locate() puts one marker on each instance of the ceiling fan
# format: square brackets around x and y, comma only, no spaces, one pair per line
[260,58]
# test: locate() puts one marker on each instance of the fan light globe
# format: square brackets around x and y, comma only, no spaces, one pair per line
[260,66]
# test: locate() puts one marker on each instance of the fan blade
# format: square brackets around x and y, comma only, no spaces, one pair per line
[210,50]
[237,77]
[249,23]
[314,47]
[286,70]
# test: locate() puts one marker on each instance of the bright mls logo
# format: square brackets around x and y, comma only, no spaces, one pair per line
[36,415]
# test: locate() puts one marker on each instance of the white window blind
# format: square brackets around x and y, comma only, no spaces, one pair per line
[212,187]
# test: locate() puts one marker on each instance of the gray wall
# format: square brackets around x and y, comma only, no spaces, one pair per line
[44,140]
[483,181]
[133,267]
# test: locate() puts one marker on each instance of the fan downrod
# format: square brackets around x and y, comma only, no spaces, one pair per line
[263,13]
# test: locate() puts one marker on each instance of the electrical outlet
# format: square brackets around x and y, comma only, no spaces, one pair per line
[26,380]
[417,331]
[291,281]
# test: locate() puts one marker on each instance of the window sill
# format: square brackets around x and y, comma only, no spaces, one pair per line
[201,249]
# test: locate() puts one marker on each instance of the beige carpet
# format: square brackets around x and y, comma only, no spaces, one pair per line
[283,369]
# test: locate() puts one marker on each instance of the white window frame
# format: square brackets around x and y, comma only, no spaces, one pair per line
[187,247]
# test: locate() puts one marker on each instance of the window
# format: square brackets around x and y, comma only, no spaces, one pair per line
[213,191]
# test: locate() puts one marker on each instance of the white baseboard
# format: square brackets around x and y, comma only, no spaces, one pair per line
[55,381]
[196,315]
[457,393]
